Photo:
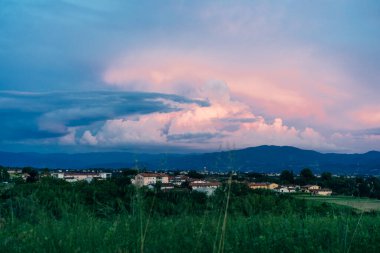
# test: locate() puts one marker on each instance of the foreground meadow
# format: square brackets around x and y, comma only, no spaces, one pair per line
[54,216]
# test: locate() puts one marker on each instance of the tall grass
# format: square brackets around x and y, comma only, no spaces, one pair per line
[101,218]
[264,233]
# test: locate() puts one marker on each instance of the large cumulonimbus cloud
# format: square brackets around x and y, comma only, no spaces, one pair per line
[131,119]
[153,122]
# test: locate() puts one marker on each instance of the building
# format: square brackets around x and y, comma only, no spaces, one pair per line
[293,188]
[167,186]
[286,189]
[207,187]
[144,179]
[203,184]
[255,186]
[80,176]
[272,186]
[321,192]
[265,185]
[178,180]
[310,187]
[282,189]
[14,171]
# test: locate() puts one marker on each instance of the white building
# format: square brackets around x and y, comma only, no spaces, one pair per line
[166,187]
[79,176]
[321,192]
[144,179]
[282,189]
[286,189]
[178,180]
[310,187]
[204,186]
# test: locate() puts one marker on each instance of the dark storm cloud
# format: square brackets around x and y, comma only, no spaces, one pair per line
[27,116]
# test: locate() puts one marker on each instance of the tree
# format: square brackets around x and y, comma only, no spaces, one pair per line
[4,175]
[306,176]
[45,172]
[185,184]
[158,186]
[326,176]
[287,177]
[130,172]
[307,173]
[33,174]
[194,174]
[254,175]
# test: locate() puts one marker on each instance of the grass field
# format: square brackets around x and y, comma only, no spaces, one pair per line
[54,216]
[362,204]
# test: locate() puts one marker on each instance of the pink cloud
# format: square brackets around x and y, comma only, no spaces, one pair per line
[296,85]
[368,116]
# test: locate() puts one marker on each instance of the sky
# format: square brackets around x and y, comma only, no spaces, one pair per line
[189,76]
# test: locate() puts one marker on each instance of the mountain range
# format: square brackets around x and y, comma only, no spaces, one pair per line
[262,159]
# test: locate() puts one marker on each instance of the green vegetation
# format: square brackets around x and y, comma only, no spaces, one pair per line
[287,177]
[361,204]
[358,186]
[4,176]
[112,216]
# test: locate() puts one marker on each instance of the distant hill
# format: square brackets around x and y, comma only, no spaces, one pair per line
[275,159]
[258,159]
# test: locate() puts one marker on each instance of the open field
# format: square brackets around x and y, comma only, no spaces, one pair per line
[362,204]
[106,216]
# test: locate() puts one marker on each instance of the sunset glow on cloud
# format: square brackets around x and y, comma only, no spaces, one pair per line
[190,76]
[294,88]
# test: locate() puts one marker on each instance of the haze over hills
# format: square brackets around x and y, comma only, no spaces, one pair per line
[258,159]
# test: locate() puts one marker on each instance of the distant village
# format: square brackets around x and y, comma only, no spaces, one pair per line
[168,182]
[206,182]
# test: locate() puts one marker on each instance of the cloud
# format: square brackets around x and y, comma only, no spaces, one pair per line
[28,116]
[296,73]
[87,138]
[278,59]
[298,84]
[157,122]
[368,116]
[197,138]
[225,121]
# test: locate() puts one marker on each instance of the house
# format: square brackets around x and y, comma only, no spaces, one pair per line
[265,185]
[178,180]
[321,192]
[207,187]
[272,186]
[282,189]
[293,188]
[204,184]
[14,171]
[72,176]
[310,187]
[255,186]
[286,189]
[24,176]
[167,186]
[144,179]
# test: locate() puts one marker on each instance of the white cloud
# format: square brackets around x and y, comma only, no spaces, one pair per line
[224,121]
[88,138]
[68,139]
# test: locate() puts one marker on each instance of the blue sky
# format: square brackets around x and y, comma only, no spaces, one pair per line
[189,75]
